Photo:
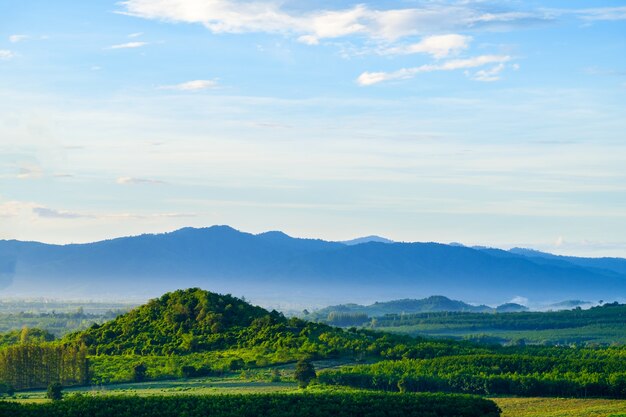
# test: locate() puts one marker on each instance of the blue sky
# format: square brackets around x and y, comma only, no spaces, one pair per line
[483,122]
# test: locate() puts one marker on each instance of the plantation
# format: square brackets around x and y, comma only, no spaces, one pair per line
[602,325]
[513,374]
[253,405]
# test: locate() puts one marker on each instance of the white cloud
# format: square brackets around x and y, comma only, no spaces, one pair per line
[439,46]
[370,78]
[195,85]
[137,181]
[18,38]
[603,13]
[232,16]
[135,35]
[5,54]
[489,75]
[49,213]
[309,40]
[128,45]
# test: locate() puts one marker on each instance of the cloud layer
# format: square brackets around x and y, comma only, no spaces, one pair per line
[229,16]
[371,78]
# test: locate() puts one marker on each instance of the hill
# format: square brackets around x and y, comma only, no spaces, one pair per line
[435,303]
[304,271]
[193,321]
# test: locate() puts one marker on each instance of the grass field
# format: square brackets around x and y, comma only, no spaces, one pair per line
[559,407]
[196,386]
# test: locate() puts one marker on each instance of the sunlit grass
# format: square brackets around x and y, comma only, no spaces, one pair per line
[560,407]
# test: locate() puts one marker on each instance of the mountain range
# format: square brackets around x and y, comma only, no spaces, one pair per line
[273,267]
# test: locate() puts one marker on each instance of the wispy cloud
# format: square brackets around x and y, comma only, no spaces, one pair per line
[232,16]
[135,35]
[195,85]
[489,75]
[602,13]
[128,45]
[6,54]
[18,38]
[439,46]
[137,181]
[49,213]
[371,78]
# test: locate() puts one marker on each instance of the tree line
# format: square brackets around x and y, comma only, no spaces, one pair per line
[356,404]
[32,365]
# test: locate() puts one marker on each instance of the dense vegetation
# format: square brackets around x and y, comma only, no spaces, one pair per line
[31,365]
[58,324]
[25,335]
[549,372]
[603,324]
[275,405]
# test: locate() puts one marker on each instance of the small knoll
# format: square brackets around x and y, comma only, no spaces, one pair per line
[511,308]
[177,322]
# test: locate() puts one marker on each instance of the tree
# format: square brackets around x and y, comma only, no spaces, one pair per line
[139,372]
[305,372]
[55,391]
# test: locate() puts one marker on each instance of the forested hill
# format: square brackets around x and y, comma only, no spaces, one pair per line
[178,322]
[272,267]
[194,320]
[433,303]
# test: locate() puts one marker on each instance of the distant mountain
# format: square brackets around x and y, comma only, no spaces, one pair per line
[617,265]
[273,267]
[367,239]
[435,303]
[568,305]
[511,308]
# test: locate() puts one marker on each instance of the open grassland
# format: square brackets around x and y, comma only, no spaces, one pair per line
[196,386]
[560,407]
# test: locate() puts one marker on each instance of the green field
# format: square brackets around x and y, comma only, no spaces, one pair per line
[197,386]
[559,407]
[592,334]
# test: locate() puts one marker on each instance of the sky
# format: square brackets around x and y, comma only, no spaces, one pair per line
[498,123]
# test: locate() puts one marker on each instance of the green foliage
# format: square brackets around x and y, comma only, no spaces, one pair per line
[6,389]
[357,404]
[569,375]
[139,372]
[344,319]
[183,321]
[25,335]
[55,391]
[54,323]
[36,365]
[305,372]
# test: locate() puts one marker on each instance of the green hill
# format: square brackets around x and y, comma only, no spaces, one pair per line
[183,321]
[193,320]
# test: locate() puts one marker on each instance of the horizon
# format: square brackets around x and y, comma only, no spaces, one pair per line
[454,243]
[496,123]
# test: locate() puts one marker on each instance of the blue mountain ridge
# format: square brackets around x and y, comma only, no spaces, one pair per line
[275,266]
